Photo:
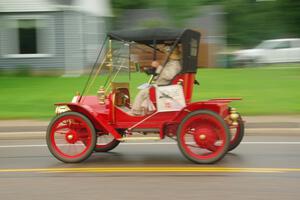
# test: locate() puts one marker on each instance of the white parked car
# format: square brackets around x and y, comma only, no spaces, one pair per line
[270,51]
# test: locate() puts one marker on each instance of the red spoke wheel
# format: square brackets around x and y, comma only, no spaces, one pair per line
[106,142]
[203,137]
[71,137]
[237,134]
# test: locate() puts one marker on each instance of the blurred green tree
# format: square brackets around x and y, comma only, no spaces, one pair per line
[129,4]
[247,21]
[290,14]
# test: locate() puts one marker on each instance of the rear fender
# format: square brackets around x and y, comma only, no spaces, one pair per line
[224,100]
[98,121]
[220,108]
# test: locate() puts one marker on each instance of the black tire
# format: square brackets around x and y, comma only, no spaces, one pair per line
[226,133]
[113,144]
[87,152]
[240,135]
[110,145]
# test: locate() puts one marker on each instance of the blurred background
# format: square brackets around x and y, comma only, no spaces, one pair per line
[249,49]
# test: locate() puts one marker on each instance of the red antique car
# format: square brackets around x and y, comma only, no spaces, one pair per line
[205,131]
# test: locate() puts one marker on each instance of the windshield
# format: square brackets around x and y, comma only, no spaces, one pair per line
[266,45]
[112,65]
[119,71]
[121,62]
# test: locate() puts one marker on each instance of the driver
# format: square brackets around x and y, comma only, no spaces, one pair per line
[164,76]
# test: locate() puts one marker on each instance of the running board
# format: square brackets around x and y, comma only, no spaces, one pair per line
[138,138]
[146,130]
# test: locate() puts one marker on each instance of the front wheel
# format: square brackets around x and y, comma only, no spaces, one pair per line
[203,137]
[71,137]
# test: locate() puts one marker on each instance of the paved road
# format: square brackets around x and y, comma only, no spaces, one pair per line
[260,168]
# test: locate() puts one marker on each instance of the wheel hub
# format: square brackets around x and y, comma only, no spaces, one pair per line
[71,137]
[202,137]
[205,138]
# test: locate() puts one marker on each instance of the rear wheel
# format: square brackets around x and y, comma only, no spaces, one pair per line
[71,137]
[203,137]
[106,142]
[237,134]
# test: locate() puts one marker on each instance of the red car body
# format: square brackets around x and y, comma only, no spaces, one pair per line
[87,119]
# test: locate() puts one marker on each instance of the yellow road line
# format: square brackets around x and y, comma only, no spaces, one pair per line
[155,169]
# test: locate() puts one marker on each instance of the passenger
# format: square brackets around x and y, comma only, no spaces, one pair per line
[164,75]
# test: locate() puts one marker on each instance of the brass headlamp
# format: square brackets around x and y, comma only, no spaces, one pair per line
[61,109]
[101,95]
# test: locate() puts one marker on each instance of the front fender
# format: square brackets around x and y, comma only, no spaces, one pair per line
[98,121]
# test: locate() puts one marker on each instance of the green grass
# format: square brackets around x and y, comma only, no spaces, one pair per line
[264,91]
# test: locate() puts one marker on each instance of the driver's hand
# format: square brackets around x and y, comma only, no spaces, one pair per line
[155,64]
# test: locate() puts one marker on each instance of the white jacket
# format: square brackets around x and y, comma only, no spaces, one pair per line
[167,73]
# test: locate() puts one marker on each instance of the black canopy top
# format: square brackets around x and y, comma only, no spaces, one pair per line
[147,36]
[189,40]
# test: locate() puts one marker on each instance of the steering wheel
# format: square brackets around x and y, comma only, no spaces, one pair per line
[150,71]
